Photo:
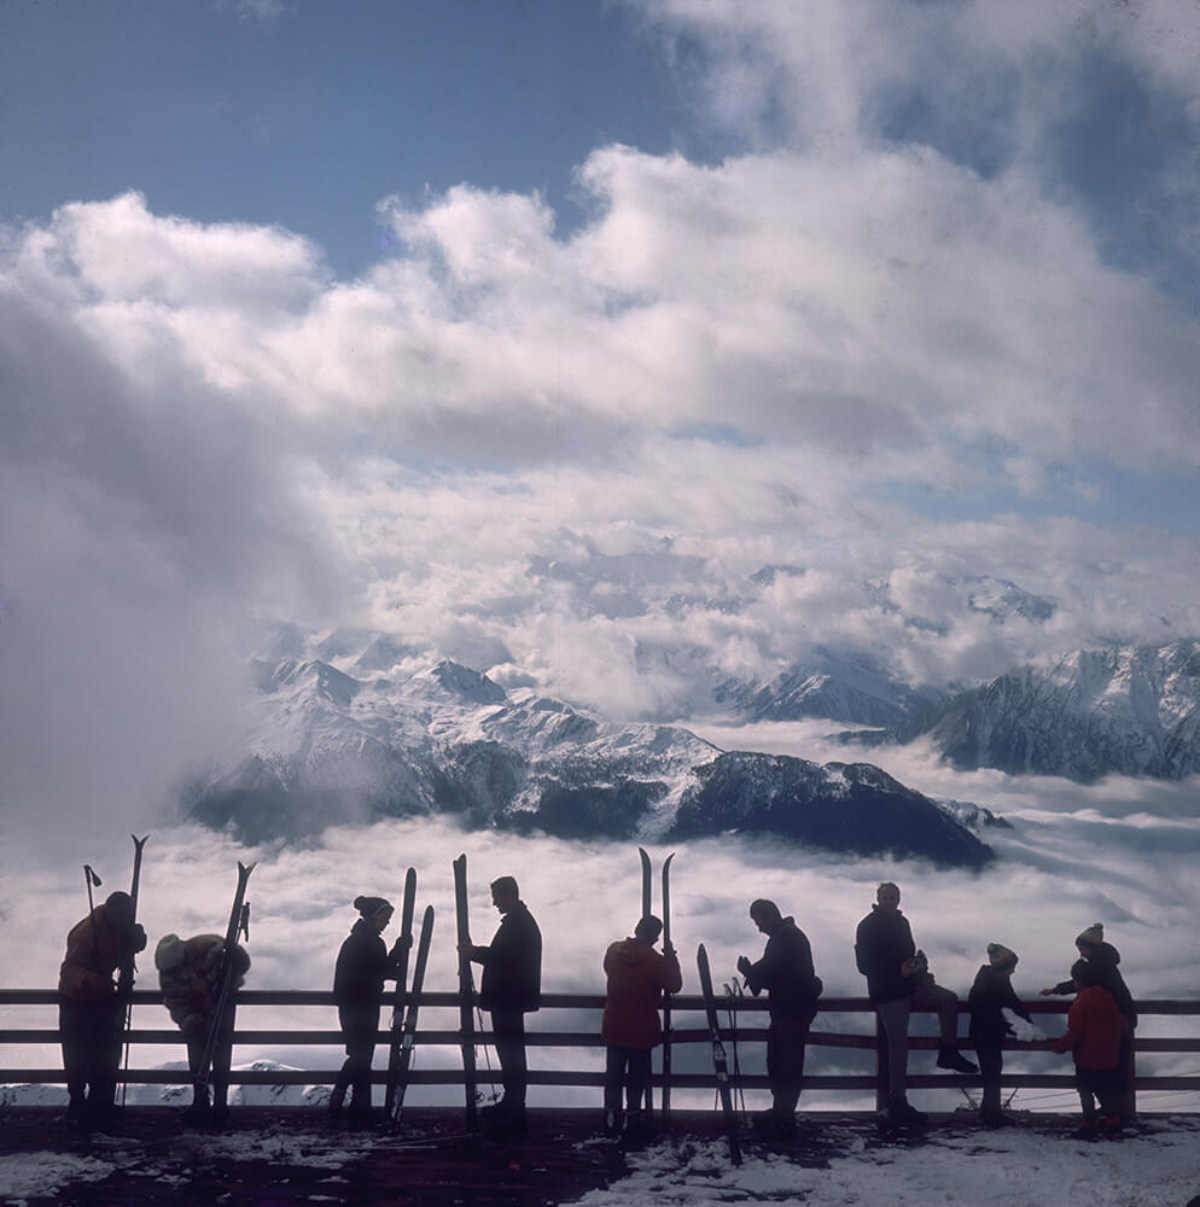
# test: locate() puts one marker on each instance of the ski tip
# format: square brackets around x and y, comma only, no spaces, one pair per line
[139,842]
[667,861]
[246,868]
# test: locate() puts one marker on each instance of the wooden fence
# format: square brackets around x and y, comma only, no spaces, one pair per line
[688,1031]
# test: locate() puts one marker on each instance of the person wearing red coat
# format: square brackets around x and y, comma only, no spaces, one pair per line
[638,976]
[1093,1037]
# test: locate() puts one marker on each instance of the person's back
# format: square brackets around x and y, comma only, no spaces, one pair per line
[637,978]
[1093,1029]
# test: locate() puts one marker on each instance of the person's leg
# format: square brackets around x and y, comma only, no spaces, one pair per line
[71,1037]
[222,1063]
[991,1065]
[639,1079]
[614,1079]
[930,996]
[786,1042]
[893,1016]
[508,1030]
[198,1112]
[363,1024]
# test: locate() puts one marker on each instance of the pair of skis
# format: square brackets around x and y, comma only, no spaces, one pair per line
[720,1061]
[406,1003]
[647,909]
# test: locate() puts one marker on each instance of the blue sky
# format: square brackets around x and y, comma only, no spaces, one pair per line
[369,313]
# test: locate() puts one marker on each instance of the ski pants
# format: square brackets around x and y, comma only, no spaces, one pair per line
[628,1067]
[90,1034]
[508,1034]
[991,1065]
[894,1017]
[1102,1084]
[222,1058]
[359,1027]
[786,1039]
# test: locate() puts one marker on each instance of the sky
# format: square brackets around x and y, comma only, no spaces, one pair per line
[532,332]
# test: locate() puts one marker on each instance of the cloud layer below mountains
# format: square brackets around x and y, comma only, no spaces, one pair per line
[893,338]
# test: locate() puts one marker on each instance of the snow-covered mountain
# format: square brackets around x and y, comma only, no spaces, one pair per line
[328,747]
[1131,710]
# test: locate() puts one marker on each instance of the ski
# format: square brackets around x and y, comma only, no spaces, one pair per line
[409,1029]
[399,997]
[720,1065]
[128,959]
[647,909]
[239,923]
[666,1014]
[466,991]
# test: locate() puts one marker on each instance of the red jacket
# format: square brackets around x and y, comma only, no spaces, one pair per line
[1093,1030]
[637,977]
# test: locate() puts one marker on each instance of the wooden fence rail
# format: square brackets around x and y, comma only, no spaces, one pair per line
[867,1039]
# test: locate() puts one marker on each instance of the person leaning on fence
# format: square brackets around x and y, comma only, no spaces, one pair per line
[992,994]
[363,964]
[1104,959]
[786,973]
[90,1015]
[1093,1037]
[898,979]
[638,976]
[189,975]
[511,987]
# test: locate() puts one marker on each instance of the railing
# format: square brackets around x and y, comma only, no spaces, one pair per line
[871,1081]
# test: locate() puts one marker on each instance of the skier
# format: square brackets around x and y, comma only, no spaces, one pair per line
[898,979]
[510,989]
[1093,1036]
[638,976]
[786,972]
[91,1015]
[1104,959]
[363,964]
[991,994]
[189,975]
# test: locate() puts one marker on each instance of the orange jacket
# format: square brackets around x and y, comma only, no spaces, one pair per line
[93,954]
[1093,1030]
[637,978]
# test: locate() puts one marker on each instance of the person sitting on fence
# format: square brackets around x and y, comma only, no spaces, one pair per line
[898,979]
[1093,1036]
[189,975]
[363,964]
[786,972]
[992,994]
[90,1015]
[638,976]
[1104,959]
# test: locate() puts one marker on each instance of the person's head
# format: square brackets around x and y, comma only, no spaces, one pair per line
[119,909]
[647,930]
[888,896]
[376,910]
[1084,974]
[1002,959]
[1088,941]
[505,893]
[765,915]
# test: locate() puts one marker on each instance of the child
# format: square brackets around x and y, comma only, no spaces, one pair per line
[1094,1037]
[990,995]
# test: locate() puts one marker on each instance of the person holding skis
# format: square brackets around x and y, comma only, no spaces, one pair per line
[189,975]
[638,976]
[992,994]
[511,987]
[91,1016]
[363,964]
[786,972]
[898,979]
[1093,1037]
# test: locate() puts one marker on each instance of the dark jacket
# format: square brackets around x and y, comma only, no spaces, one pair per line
[1104,958]
[786,972]
[638,976]
[882,943]
[991,994]
[512,964]
[363,964]
[1093,1030]
[95,947]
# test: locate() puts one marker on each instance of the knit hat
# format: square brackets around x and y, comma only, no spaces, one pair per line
[1001,957]
[1092,937]
[169,953]
[368,906]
